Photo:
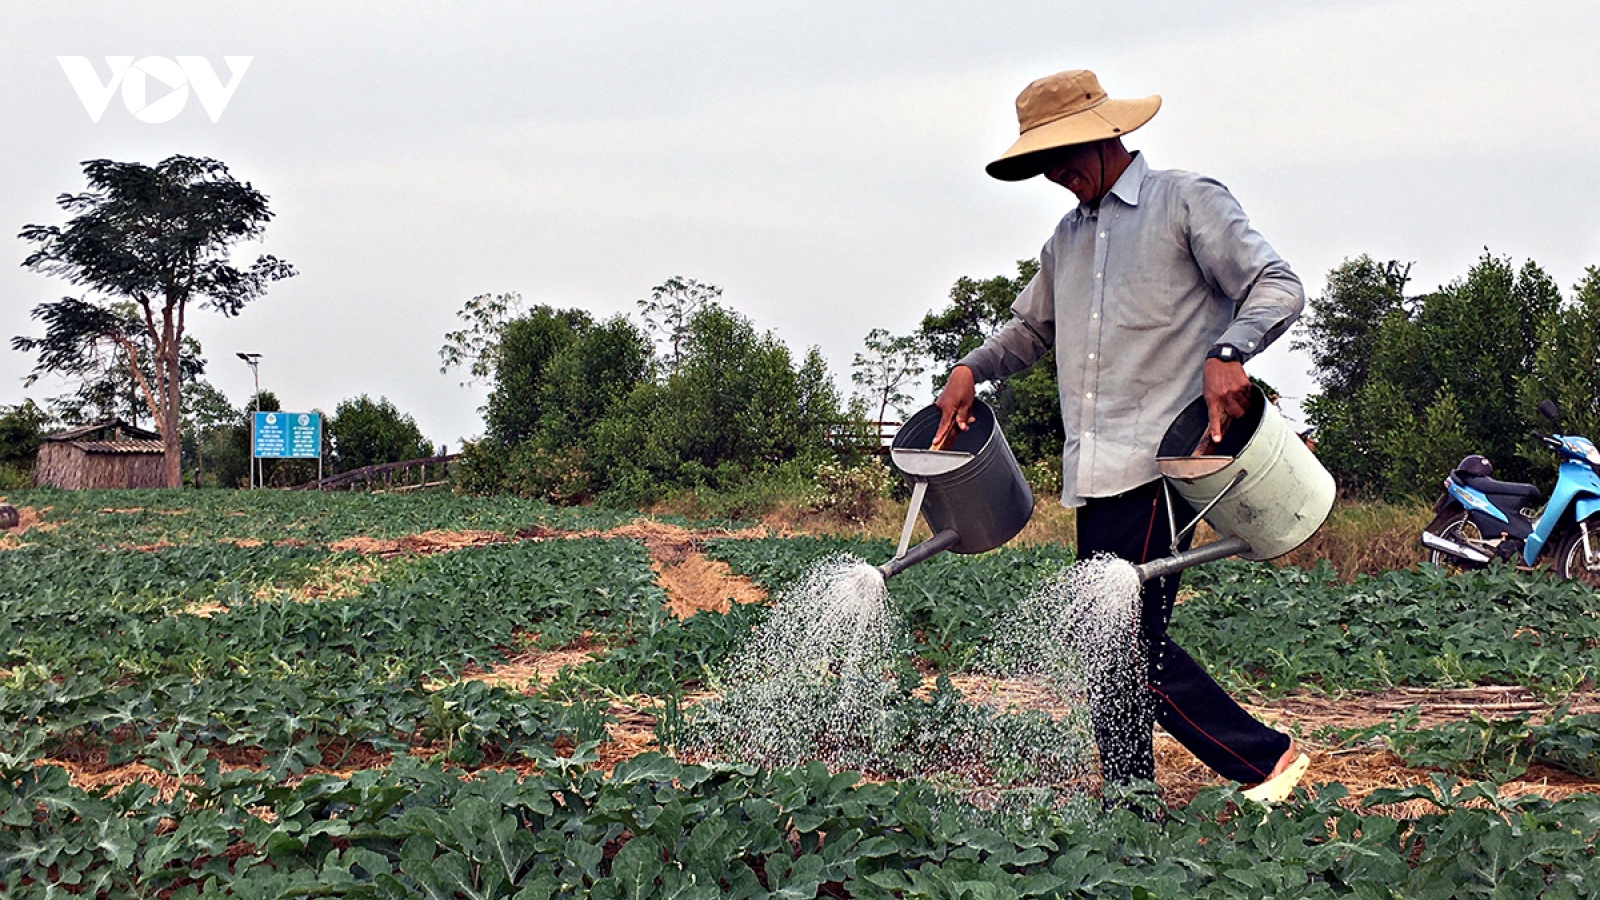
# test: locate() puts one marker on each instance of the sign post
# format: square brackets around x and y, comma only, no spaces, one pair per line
[287,435]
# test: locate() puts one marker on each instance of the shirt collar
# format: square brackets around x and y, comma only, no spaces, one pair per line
[1127,187]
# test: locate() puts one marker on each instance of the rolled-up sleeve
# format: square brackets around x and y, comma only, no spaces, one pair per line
[1241,265]
[1029,335]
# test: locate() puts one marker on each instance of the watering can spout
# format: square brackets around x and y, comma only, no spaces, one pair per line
[1168,565]
[929,548]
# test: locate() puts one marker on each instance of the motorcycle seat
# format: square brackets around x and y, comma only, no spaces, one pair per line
[1509,490]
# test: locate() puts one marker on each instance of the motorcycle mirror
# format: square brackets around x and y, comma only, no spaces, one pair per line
[1548,409]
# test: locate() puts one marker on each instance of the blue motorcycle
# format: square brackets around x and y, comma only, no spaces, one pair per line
[1479,520]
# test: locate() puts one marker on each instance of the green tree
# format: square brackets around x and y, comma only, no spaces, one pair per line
[601,366]
[736,407]
[159,237]
[736,393]
[1409,385]
[1340,330]
[476,345]
[577,411]
[366,432]
[226,451]
[1028,404]
[556,375]
[527,347]
[107,354]
[205,409]
[1566,365]
[669,310]
[887,370]
[1440,443]
[1479,335]
[977,310]
[22,430]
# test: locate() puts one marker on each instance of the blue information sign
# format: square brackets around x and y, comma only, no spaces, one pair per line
[287,435]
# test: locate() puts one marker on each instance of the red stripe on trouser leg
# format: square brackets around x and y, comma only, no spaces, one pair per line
[1196,726]
[1231,741]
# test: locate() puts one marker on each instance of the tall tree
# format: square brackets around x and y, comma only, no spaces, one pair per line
[1028,404]
[106,353]
[527,347]
[978,307]
[1479,338]
[1566,366]
[671,307]
[205,409]
[1409,385]
[1341,328]
[476,345]
[887,370]
[160,237]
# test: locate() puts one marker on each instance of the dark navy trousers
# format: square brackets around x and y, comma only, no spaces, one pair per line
[1175,691]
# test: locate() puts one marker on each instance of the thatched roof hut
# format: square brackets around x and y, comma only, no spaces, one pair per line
[109,454]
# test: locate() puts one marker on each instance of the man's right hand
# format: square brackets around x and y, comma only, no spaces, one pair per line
[955,406]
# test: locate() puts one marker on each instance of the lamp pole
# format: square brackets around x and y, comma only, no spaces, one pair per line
[253,360]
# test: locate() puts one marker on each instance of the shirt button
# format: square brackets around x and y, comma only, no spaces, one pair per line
[1097,274]
[1102,234]
[1091,356]
[1088,434]
[1094,315]
[1090,395]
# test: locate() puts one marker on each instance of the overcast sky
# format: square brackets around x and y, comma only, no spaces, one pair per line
[821,161]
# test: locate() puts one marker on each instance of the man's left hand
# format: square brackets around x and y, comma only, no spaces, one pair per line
[1227,392]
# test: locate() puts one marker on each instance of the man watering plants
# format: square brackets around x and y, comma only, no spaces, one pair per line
[1153,291]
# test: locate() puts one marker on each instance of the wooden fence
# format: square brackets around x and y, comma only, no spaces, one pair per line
[840,435]
[407,475]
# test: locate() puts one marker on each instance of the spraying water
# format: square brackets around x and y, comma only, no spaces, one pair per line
[815,680]
[1078,632]
[827,677]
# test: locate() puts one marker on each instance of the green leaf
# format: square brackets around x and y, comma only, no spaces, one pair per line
[637,866]
[652,767]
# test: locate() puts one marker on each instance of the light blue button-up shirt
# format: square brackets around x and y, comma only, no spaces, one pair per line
[1131,296]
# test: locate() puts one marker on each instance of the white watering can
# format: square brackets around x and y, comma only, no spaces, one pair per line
[1262,488]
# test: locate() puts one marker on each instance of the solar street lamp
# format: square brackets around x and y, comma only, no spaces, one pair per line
[253,360]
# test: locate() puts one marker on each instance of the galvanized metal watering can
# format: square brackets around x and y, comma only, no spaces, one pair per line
[972,492]
[1262,488]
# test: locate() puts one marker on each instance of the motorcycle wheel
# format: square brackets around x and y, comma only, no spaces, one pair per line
[1454,526]
[1572,562]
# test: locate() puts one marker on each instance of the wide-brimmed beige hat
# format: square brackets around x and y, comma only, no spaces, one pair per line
[1065,109]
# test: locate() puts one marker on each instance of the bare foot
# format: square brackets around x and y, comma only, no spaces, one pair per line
[1285,761]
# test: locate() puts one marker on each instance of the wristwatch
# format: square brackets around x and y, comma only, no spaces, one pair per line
[1226,353]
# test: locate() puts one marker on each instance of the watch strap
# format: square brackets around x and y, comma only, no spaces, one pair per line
[1226,353]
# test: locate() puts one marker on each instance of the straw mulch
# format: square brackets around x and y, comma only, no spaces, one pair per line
[427,542]
[527,672]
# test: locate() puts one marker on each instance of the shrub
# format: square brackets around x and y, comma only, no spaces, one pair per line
[1044,476]
[559,476]
[365,432]
[14,477]
[575,416]
[851,492]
